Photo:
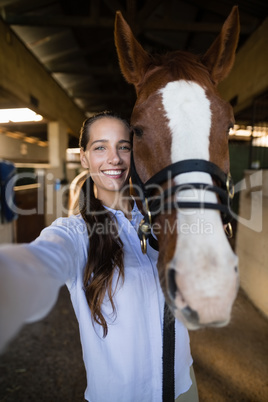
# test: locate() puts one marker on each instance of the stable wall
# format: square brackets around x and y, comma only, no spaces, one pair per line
[6,233]
[252,235]
[13,149]
[249,76]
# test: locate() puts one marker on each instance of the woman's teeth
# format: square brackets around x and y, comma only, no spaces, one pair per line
[113,172]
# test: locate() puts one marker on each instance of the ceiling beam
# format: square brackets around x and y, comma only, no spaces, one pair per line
[5,3]
[96,70]
[95,9]
[188,27]
[224,8]
[29,82]
[157,38]
[73,21]
[114,5]
[97,96]
[148,9]
[131,13]
[58,21]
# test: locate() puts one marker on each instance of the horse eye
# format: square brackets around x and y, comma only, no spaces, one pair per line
[137,131]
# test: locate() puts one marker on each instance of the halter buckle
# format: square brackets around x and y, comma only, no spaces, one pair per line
[229,230]
[230,186]
[145,227]
[143,245]
[144,232]
[148,211]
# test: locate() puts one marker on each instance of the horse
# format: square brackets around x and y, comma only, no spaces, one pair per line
[180,128]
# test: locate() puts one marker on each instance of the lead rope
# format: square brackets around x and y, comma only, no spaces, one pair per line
[168,356]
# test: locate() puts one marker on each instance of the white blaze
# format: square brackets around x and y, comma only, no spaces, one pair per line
[188,111]
[203,258]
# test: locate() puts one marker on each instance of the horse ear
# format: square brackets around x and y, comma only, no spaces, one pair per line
[133,59]
[219,58]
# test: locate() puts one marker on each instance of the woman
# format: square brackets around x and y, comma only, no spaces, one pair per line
[114,288]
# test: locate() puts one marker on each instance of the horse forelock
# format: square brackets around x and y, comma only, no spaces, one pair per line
[176,65]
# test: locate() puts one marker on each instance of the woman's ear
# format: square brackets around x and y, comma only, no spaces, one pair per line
[83,159]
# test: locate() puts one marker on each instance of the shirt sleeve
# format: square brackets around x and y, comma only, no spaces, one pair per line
[32,274]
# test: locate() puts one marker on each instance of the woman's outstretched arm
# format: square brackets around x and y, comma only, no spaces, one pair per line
[32,274]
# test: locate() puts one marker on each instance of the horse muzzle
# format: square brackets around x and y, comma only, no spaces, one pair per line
[206,313]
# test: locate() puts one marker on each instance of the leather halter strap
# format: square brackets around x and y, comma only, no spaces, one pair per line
[187,166]
[223,188]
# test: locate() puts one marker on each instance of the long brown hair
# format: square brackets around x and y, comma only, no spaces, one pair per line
[105,252]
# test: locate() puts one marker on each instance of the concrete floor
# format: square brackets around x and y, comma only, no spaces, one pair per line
[231,363]
[44,362]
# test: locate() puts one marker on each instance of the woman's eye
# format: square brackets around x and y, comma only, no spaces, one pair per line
[100,148]
[138,131]
[125,148]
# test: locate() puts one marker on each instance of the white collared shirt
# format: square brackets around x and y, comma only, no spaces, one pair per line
[127,364]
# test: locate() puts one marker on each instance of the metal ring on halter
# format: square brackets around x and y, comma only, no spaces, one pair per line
[144,231]
[143,245]
[148,211]
[230,186]
[145,228]
[229,230]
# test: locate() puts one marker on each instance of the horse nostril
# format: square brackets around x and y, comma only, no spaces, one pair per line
[190,315]
[172,286]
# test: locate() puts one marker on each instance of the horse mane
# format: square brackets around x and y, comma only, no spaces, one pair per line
[178,65]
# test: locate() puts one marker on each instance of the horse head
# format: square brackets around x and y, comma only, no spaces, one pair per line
[179,120]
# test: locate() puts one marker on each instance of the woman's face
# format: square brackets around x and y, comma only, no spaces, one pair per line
[107,155]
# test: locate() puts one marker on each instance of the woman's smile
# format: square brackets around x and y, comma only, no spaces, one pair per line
[114,173]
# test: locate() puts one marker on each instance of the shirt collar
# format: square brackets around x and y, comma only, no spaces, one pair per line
[135,211]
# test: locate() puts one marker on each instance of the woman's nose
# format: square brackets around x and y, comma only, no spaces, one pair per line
[114,157]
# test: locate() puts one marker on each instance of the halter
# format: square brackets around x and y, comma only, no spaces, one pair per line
[224,188]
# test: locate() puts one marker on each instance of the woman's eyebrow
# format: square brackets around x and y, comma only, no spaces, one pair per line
[94,142]
[105,141]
